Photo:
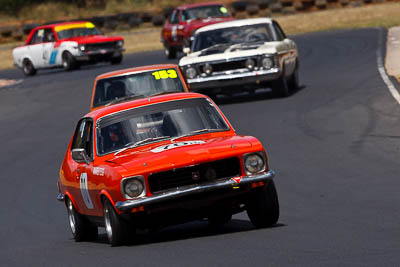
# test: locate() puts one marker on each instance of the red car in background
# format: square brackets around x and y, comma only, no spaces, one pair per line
[185,20]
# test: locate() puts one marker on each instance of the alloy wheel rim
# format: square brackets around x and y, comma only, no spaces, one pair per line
[71,217]
[107,222]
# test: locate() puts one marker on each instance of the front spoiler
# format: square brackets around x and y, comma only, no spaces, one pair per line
[228,79]
[193,189]
[84,56]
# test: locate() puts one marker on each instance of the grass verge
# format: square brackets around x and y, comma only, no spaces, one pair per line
[382,15]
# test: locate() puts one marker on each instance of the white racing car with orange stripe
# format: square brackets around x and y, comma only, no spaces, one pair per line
[67,45]
[241,55]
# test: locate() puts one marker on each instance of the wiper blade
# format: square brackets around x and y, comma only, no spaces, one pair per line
[122,99]
[164,92]
[217,45]
[141,142]
[197,132]
[255,42]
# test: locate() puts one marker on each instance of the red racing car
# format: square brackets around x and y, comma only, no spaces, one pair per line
[127,84]
[158,161]
[185,20]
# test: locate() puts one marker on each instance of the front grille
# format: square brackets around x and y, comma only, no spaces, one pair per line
[196,174]
[98,46]
[231,65]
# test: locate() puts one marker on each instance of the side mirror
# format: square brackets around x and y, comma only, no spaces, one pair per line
[186,50]
[79,155]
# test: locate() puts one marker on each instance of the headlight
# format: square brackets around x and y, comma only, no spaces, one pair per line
[191,72]
[254,163]
[120,43]
[207,69]
[250,64]
[133,187]
[267,62]
[82,47]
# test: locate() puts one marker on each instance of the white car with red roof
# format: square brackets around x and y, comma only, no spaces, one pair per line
[67,45]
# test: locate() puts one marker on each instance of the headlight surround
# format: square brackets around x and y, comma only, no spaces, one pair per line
[133,187]
[82,47]
[120,44]
[254,163]
[250,64]
[207,69]
[190,72]
[267,62]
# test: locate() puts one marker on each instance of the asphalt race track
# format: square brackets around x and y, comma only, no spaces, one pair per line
[335,146]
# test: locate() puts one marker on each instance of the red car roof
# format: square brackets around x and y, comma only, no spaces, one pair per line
[98,113]
[199,5]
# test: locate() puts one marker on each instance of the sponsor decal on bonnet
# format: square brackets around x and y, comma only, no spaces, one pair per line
[175,145]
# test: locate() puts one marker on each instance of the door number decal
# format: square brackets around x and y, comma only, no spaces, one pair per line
[84,190]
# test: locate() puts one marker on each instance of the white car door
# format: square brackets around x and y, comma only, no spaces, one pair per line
[49,53]
[35,49]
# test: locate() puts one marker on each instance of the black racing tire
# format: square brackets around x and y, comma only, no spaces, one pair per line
[116,60]
[81,228]
[28,68]
[282,87]
[170,52]
[294,79]
[119,232]
[263,206]
[68,61]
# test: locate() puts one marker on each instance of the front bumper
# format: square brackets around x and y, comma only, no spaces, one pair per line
[234,79]
[191,190]
[106,52]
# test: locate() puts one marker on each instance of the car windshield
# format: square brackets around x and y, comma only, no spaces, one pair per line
[77,32]
[166,120]
[140,84]
[204,12]
[232,35]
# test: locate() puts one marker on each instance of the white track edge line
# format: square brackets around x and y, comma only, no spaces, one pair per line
[382,72]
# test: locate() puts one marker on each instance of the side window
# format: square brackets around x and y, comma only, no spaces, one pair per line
[279,32]
[48,35]
[83,137]
[185,15]
[174,19]
[37,37]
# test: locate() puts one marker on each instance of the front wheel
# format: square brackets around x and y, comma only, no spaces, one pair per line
[294,80]
[117,229]
[281,86]
[170,52]
[263,206]
[28,68]
[68,61]
[81,228]
[116,60]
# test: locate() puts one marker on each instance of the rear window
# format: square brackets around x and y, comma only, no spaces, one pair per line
[137,85]
[204,12]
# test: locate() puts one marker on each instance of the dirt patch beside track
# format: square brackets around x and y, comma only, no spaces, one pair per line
[4,83]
